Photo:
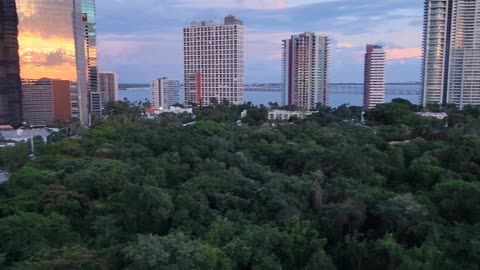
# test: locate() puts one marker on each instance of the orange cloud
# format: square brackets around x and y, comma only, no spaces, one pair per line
[401,54]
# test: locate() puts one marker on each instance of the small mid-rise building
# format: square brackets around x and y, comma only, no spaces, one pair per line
[46,101]
[108,86]
[96,105]
[165,93]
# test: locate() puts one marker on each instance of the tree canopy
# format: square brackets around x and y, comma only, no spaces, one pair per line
[325,192]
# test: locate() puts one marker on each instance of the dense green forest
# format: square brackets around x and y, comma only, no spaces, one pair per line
[401,192]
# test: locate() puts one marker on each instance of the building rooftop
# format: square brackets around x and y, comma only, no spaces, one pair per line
[228,20]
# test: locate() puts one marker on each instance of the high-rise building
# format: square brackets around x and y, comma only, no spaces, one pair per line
[88,17]
[305,70]
[46,101]
[52,45]
[451,52]
[374,80]
[10,84]
[213,62]
[165,93]
[108,86]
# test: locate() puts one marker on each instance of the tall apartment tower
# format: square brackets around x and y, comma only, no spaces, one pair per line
[108,86]
[451,52]
[213,61]
[374,81]
[10,84]
[165,93]
[52,45]
[89,19]
[305,70]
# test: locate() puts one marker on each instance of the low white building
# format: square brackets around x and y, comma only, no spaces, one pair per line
[286,115]
[152,113]
[24,135]
[440,116]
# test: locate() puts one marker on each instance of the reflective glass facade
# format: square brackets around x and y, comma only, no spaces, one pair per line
[52,45]
[10,87]
[88,10]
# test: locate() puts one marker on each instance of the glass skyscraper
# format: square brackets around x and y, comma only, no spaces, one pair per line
[88,10]
[10,86]
[451,52]
[52,45]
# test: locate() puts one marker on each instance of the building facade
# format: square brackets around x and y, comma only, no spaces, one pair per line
[89,19]
[305,70]
[52,45]
[451,53]
[10,83]
[213,62]
[108,86]
[165,93]
[374,79]
[46,101]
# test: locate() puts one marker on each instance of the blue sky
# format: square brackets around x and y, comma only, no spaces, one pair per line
[142,39]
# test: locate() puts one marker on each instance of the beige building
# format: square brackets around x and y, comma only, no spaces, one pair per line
[213,61]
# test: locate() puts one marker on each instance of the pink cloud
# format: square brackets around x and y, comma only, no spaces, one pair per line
[344,45]
[234,4]
[401,54]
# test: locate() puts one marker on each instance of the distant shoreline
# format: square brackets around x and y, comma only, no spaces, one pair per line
[132,85]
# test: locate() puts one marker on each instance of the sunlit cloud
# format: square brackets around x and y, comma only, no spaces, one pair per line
[401,54]
[345,45]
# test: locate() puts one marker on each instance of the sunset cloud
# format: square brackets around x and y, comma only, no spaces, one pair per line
[402,54]
[248,4]
[344,45]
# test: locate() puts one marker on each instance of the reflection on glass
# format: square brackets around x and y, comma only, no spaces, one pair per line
[46,39]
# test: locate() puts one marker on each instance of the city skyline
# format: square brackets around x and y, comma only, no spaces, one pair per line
[140,51]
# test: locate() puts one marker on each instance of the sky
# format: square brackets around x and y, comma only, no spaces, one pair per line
[141,40]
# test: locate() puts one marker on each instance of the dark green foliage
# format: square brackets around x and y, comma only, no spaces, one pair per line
[326,192]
